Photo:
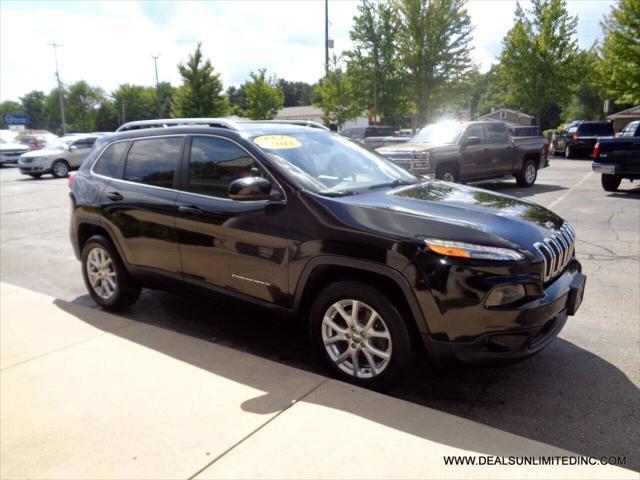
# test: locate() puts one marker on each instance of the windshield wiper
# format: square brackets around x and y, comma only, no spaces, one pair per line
[394,183]
[339,193]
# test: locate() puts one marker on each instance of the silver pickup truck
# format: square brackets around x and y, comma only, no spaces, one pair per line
[470,152]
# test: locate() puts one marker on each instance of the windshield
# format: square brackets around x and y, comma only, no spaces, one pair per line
[328,163]
[59,143]
[442,133]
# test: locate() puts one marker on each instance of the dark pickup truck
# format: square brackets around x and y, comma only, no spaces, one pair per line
[618,158]
[471,152]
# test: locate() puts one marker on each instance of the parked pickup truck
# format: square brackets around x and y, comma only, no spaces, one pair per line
[470,152]
[618,158]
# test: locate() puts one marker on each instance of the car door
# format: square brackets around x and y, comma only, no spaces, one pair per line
[473,154]
[140,203]
[78,151]
[234,245]
[498,154]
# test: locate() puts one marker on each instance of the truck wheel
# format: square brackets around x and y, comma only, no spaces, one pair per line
[447,173]
[610,182]
[567,152]
[105,277]
[60,169]
[359,335]
[527,176]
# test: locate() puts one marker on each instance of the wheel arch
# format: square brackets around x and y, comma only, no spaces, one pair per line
[324,270]
[88,227]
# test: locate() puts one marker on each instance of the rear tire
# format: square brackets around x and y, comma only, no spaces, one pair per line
[528,174]
[568,152]
[610,182]
[447,173]
[372,349]
[105,276]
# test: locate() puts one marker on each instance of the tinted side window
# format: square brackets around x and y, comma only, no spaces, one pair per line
[496,132]
[153,161]
[109,162]
[84,143]
[476,130]
[214,163]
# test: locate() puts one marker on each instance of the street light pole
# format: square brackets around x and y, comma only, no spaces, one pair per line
[155,62]
[60,96]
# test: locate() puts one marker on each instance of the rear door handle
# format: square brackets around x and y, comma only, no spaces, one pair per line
[190,210]
[115,196]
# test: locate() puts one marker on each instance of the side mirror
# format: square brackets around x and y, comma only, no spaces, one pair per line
[73,148]
[471,141]
[250,189]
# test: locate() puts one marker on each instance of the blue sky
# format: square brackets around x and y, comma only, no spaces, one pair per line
[111,42]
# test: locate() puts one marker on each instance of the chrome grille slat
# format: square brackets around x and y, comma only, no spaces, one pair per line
[557,251]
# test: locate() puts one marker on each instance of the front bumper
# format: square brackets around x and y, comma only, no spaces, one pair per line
[517,332]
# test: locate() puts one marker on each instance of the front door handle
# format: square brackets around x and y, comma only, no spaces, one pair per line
[190,210]
[115,196]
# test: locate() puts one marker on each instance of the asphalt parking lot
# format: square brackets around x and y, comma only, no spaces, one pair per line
[580,394]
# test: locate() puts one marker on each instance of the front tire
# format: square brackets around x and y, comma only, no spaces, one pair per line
[447,173]
[105,277]
[610,183]
[528,175]
[60,169]
[359,335]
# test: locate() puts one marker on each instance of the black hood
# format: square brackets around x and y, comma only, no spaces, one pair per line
[448,211]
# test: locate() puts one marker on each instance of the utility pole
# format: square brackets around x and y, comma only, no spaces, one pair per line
[155,62]
[326,37]
[60,96]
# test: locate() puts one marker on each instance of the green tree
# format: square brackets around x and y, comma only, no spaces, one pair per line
[34,106]
[201,92]
[539,60]
[52,108]
[434,41]
[264,96]
[337,96]
[374,64]
[81,105]
[8,107]
[587,100]
[164,99]
[106,119]
[620,68]
[296,93]
[237,97]
[135,102]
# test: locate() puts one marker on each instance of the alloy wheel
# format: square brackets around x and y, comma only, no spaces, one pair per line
[60,169]
[356,338]
[448,177]
[101,272]
[530,173]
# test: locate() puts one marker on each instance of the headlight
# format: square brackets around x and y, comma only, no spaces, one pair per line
[451,248]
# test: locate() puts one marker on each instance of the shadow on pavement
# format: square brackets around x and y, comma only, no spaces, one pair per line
[566,397]
[511,188]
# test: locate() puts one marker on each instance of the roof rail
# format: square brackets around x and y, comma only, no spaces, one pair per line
[304,123]
[175,122]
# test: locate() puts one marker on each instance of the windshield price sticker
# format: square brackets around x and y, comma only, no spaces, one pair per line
[277,142]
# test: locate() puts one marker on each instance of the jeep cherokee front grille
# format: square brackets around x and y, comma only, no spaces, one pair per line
[557,251]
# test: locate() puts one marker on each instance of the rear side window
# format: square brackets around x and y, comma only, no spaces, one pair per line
[84,143]
[153,161]
[630,130]
[596,129]
[109,162]
[214,163]
[496,133]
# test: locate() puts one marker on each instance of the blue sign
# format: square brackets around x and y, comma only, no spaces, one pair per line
[16,119]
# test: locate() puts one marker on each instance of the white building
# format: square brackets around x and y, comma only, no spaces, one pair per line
[314,114]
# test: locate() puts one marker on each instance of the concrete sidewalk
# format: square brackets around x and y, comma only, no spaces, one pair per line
[86,394]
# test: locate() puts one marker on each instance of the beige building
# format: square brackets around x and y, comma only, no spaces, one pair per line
[314,114]
[510,116]
[620,119]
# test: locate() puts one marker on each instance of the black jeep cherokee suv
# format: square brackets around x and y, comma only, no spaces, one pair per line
[304,221]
